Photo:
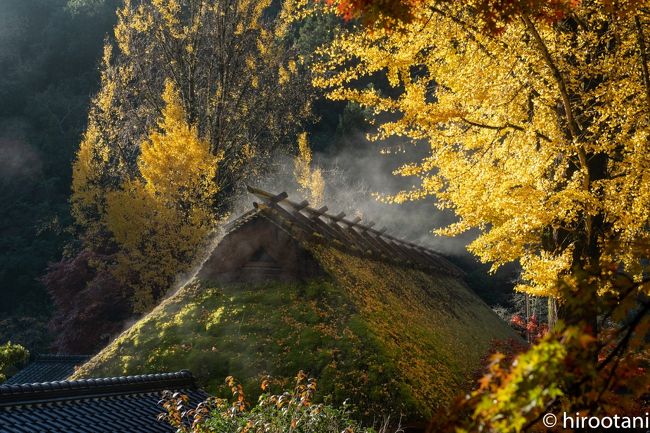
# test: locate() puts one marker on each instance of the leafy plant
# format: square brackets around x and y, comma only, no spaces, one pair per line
[11,356]
[595,368]
[290,411]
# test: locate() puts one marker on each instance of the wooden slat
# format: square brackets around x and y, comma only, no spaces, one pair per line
[351,233]
[335,234]
[367,245]
[385,250]
[291,219]
[302,205]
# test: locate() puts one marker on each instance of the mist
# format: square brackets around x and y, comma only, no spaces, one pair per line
[17,159]
[356,175]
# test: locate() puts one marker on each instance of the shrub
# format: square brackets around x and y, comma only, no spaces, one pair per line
[287,412]
[11,357]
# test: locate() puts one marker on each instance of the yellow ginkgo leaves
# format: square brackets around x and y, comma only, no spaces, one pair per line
[161,219]
[538,136]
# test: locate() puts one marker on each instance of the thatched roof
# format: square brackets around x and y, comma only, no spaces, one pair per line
[383,322]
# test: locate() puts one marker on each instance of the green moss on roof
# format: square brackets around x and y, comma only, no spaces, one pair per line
[386,337]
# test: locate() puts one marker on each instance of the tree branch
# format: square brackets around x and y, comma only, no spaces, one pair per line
[557,75]
[504,126]
[644,58]
[622,344]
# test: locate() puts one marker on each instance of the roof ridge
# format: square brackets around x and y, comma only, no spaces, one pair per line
[351,234]
[30,393]
[241,219]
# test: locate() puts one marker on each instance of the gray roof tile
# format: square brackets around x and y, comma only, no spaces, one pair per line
[127,404]
[47,368]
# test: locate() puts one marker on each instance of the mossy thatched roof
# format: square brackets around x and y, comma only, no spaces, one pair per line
[389,336]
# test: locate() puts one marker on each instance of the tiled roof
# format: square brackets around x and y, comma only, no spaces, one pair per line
[47,368]
[127,404]
[301,220]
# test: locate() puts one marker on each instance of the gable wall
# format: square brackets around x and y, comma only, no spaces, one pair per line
[259,251]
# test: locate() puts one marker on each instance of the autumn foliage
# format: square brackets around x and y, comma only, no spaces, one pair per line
[162,220]
[574,368]
[196,98]
[491,15]
[90,303]
[532,330]
[528,141]
[310,179]
[289,411]
[534,117]
[537,134]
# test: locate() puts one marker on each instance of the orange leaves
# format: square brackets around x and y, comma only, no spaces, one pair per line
[586,340]
[485,381]
[572,369]
[493,15]
[264,386]
[371,11]
[287,412]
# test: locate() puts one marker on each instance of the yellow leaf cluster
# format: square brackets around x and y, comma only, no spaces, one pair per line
[91,159]
[310,180]
[538,136]
[162,219]
[174,162]
[187,85]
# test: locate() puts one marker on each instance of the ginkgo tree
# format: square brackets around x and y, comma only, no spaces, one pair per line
[236,91]
[238,80]
[538,136]
[309,179]
[162,219]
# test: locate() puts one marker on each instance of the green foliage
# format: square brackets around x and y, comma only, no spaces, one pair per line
[28,331]
[12,356]
[247,332]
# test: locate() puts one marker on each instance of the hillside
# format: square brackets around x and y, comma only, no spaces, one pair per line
[384,335]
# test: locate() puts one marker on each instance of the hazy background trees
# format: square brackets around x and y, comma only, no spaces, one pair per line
[48,58]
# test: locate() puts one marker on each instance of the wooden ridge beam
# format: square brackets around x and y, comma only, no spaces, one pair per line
[350,233]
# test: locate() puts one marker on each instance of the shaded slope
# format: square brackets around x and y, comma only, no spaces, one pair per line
[386,336]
